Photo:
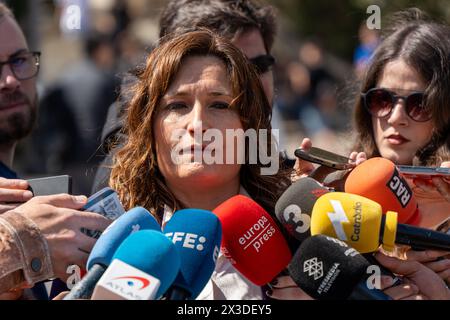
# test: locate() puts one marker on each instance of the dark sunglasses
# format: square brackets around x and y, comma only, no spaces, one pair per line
[379,103]
[263,63]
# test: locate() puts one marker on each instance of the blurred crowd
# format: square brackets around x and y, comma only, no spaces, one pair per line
[110,38]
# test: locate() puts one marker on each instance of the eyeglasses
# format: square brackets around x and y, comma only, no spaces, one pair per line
[263,62]
[24,65]
[380,102]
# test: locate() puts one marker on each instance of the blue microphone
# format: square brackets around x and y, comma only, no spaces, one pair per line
[143,268]
[101,255]
[197,235]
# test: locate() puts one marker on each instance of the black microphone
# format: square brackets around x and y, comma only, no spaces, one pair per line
[328,269]
[293,209]
[419,238]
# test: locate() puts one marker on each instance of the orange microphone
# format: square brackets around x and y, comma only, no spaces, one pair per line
[379,180]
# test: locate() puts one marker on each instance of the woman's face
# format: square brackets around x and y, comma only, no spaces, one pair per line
[397,136]
[195,105]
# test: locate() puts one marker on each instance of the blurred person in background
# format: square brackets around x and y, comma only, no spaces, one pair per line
[76,106]
[40,238]
[368,42]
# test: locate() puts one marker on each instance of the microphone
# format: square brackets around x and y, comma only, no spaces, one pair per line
[101,255]
[293,209]
[379,180]
[143,268]
[196,234]
[251,240]
[359,222]
[328,269]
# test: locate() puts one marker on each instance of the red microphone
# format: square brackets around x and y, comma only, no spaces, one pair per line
[379,180]
[251,240]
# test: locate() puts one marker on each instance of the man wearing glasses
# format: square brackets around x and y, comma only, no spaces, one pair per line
[18,98]
[40,238]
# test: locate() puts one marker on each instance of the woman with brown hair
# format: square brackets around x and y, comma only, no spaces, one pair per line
[403,113]
[196,83]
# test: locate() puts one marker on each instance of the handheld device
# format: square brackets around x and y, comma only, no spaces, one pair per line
[423,172]
[50,185]
[105,202]
[326,158]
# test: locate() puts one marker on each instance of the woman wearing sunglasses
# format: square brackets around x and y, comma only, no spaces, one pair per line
[403,113]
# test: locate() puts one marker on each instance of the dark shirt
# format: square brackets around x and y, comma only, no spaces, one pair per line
[6,172]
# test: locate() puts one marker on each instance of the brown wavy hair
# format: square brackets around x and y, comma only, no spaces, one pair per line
[425,46]
[135,174]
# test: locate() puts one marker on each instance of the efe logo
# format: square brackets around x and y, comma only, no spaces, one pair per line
[189,240]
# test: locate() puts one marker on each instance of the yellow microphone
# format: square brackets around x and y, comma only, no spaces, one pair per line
[355,220]
[360,223]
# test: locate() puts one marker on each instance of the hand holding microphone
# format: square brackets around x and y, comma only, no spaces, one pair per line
[437,183]
[438,261]
[285,288]
[420,282]
[101,255]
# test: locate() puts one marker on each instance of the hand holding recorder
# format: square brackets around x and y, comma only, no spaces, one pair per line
[430,179]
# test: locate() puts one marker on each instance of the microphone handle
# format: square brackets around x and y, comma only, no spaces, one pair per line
[84,288]
[178,294]
[361,292]
[422,239]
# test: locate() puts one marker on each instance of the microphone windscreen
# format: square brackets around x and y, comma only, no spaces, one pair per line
[326,268]
[153,253]
[252,240]
[293,209]
[197,235]
[348,217]
[379,180]
[133,220]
